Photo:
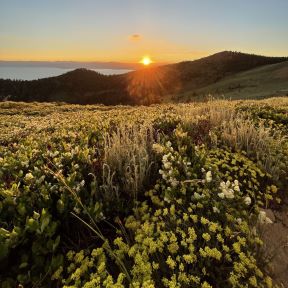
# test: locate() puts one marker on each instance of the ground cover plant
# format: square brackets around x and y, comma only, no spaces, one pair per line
[168,195]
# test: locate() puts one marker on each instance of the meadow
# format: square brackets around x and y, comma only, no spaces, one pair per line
[169,195]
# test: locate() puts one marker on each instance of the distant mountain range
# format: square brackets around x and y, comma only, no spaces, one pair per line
[71,64]
[225,74]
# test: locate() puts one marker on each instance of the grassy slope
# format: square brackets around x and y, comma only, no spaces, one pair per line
[266,81]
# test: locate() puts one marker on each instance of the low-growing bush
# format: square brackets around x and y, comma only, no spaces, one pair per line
[160,196]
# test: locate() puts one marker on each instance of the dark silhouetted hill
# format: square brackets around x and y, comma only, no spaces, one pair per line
[144,86]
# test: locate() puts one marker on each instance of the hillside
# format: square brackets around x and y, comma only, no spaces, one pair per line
[265,81]
[144,86]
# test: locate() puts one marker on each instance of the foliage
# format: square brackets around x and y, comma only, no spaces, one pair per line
[129,197]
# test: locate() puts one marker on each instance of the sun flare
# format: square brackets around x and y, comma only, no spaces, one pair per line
[146,61]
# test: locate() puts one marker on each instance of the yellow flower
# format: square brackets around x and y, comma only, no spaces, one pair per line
[206,237]
[171,263]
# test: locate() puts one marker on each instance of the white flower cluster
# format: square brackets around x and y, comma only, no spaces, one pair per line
[167,173]
[247,200]
[228,189]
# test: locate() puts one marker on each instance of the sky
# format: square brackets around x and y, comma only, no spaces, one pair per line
[127,30]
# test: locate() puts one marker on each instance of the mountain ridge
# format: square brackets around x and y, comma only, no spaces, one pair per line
[143,86]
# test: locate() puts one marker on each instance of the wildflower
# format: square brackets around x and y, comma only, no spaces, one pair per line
[263,219]
[215,209]
[167,165]
[28,177]
[189,258]
[170,262]
[227,190]
[204,221]
[274,189]
[221,195]
[206,237]
[180,133]
[208,176]
[168,144]
[159,149]
[247,200]
[236,186]
[206,285]
[174,182]
[239,220]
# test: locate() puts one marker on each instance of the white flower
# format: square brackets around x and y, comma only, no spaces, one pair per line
[208,176]
[165,158]
[239,220]
[226,190]
[236,186]
[174,182]
[216,210]
[263,219]
[167,165]
[229,194]
[167,200]
[247,200]
[221,195]
[168,144]
[28,177]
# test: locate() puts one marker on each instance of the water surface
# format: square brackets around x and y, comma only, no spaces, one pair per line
[33,73]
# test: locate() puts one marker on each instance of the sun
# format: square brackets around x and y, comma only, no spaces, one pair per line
[146,61]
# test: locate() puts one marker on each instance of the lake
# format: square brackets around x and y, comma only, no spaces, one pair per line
[32,73]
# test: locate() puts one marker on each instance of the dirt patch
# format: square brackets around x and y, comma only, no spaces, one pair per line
[275,249]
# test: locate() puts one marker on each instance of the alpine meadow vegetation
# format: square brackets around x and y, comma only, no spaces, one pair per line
[168,195]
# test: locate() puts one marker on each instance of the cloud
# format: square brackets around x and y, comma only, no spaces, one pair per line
[135,37]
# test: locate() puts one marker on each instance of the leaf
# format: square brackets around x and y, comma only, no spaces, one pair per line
[44,223]
[4,250]
[56,243]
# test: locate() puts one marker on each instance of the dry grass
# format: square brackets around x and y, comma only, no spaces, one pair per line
[127,160]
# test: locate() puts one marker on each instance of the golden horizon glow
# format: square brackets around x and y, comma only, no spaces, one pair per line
[146,61]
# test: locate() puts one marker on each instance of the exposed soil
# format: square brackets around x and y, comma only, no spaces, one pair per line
[275,237]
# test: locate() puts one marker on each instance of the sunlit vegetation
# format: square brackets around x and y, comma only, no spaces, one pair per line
[159,196]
